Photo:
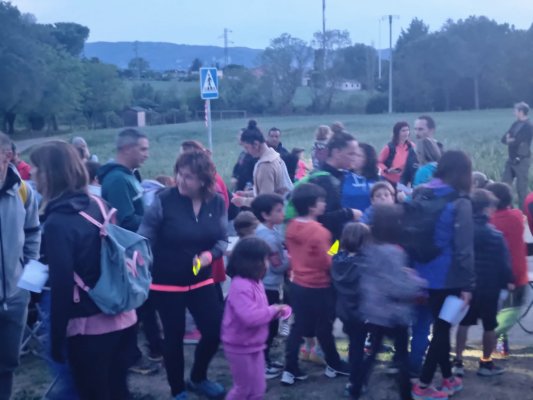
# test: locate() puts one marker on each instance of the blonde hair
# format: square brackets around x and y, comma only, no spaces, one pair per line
[323,132]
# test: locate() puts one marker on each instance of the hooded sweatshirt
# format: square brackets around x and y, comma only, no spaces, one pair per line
[123,191]
[308,243]
[20,236]
[345,276]
[246,317]
[278,262]
[270,174]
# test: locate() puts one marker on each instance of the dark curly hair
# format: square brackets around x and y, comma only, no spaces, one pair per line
[370,169]
[247,259]
[398,126]
[201,165]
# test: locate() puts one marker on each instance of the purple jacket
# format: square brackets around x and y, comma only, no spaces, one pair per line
[246,317]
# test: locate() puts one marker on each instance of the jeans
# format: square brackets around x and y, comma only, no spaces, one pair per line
[420,338]
[206,309]
[12,324]
[314,311]
[520,171]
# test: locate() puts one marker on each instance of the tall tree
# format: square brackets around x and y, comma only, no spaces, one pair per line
[284,62]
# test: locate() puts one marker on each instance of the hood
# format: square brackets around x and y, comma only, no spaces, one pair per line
[302,231]
[345,267]
[439,187]
[269,155]
[68,203]
[151,184]
[12,179]
[112,166]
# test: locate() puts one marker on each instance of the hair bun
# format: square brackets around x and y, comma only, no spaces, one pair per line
[252,124]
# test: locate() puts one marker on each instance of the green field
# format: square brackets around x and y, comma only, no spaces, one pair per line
[476,132]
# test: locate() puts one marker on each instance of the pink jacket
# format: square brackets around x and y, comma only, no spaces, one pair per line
[246,317]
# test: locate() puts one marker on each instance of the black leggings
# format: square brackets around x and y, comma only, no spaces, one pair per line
[100,363]
[439,348]
[206,309]
[273,298]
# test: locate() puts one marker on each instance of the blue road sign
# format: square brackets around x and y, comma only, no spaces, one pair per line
[209,83]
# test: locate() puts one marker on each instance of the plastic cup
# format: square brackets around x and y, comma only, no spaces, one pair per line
[286,312]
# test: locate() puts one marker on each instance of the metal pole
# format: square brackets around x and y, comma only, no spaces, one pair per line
[390,64]
[209,127]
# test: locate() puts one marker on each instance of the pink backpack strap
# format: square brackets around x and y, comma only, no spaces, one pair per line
[79,284]
[108,216]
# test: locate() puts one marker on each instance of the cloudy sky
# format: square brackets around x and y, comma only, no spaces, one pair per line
[255,22]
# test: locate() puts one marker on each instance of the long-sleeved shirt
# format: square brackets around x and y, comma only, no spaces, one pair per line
[278,262]
[308,243]
[246,317]
[522,133]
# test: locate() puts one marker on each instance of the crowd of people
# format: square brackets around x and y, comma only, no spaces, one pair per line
[385,242]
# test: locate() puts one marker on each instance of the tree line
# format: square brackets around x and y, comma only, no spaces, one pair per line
[468,64]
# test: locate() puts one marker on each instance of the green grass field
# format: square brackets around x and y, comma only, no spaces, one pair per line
[476,132]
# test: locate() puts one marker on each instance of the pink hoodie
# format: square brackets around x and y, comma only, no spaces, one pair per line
[246,317]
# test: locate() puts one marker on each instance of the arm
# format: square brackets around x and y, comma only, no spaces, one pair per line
[221,245]
[463,240]
[503,261]
[32,232]
[152,221]
[318,250]
[265,178]
[117,194]
[335,216]
[383,155]
[60,254]
[246,309]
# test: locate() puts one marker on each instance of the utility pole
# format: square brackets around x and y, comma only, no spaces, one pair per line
[324,33]
[390,18]
[136,52]
[379,48]
[227,42]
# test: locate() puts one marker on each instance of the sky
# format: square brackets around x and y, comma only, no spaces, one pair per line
[255,22]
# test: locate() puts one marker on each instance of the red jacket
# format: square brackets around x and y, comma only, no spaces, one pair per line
[511,223]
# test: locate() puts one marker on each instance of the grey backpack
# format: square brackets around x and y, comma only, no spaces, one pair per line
[125,263]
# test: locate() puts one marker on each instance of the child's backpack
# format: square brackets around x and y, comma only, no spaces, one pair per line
[125,262]
[290,211]
[420,220]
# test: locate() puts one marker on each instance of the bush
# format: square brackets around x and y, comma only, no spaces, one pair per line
[377,104]
[113,120]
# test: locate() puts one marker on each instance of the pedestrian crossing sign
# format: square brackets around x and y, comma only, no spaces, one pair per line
[209,83]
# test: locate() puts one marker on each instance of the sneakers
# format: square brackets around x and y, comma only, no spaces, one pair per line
[488,368]
[273,369]
[181,396]
[452,385]
[144,367]
[192,337]
[342,369]
[458,368]
[427,393]
[284,328]
[289,378]
[207,388]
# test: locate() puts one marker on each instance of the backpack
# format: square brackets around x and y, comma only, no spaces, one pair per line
[421,216]
[290,211]
[125,263]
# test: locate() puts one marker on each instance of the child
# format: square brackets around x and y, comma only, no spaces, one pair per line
[301,167]
[382,193]
[94,186]
[510,222]
[246,318]
[268,208]
[387,293]
[312,296]
[319,153]
[493,273]
[345,277]
[245,224]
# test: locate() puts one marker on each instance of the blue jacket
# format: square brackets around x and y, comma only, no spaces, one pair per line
[454,235]
[278,261]
[424,174]
[356,191]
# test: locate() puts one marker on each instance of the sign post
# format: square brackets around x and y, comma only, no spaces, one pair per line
[209,91]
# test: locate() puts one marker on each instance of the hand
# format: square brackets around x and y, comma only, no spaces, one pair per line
[466,297]
[233,183]
[511,287]
[401,196]
[205,259]
[237,201]
[357,214]
[244,193]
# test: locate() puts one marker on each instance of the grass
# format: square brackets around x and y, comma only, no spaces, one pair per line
[476,132]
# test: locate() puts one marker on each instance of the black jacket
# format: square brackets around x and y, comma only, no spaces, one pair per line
[492,259]
[243,170]
[71,244]
[335,215]
[177,235]
[522,133]
[345,276]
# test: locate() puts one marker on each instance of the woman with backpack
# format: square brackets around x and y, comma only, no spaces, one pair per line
[397,160]
[450,269]
[186,226]
[95,344]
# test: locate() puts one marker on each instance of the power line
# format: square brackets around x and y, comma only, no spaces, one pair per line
[227,42]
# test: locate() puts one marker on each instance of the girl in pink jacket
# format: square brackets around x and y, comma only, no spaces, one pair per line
[246,318]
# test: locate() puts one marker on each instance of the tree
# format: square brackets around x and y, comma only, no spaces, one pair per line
[284,62]
[417,29]
[241,90]
[70,36]
[140,66]
[195,65]
[104,91]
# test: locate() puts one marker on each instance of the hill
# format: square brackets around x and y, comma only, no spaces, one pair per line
[165,56]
